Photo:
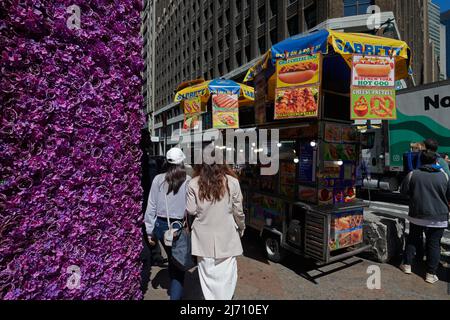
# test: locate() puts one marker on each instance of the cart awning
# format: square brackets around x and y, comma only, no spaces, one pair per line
[205,89]
[330,43]
[347,44]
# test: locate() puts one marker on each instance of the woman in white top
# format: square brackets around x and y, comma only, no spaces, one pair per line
[168,193]
[214,198]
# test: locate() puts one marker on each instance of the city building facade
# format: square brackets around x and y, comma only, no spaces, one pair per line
[148,52]
[211,39]
[445,44]
[434,31]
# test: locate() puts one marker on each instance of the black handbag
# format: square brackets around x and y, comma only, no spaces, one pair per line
[182,249]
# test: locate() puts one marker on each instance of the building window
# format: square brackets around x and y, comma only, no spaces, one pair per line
[247,26]
[239,31]
[239,58]
[356,7]
[238,6]
[274,7]
[310,14]
[273,36]
[247,54]
[292,25]
[262,14]
[262,44]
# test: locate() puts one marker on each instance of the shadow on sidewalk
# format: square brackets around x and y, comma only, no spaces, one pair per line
[192,288]
[304,267]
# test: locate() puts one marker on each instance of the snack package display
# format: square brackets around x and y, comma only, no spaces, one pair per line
[334,152]
[287,179]
[308,194]
[325,196]
[346,229]
[333,132]
[263,207]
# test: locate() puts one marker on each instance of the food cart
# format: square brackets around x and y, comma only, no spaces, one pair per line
[311,87]
[219,98]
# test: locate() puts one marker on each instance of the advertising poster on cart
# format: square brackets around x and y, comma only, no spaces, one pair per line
[225,109]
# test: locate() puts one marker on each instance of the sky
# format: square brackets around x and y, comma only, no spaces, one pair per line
[444,4]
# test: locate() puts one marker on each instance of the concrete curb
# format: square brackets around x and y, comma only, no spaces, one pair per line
[399,211]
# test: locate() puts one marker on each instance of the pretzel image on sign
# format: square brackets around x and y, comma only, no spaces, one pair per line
[373,103]
[382,106]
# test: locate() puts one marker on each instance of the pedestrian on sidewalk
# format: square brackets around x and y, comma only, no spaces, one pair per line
[214,198]
[446,158]
[432,145]
[167,204]
[428,189]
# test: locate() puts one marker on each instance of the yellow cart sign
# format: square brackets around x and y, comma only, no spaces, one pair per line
[300,70]
[347,44]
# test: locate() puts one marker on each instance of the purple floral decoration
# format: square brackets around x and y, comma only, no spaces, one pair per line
[70,120]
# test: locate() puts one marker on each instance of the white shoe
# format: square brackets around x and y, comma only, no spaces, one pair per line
[431,278]
[406,268]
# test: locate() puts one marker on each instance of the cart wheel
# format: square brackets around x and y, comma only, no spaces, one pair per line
[274,250]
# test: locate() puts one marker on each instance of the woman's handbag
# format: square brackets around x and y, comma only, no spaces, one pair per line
[182,249]
[169,234]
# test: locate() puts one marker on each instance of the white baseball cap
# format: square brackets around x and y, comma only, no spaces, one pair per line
[175,156]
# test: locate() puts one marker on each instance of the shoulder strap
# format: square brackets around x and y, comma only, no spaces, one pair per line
[445,173]
[167,215]
[410,163]
[167,208]
[409,177]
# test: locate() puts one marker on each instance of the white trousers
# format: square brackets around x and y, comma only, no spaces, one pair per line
[218,277]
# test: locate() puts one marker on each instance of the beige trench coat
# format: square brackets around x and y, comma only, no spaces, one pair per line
[217,226]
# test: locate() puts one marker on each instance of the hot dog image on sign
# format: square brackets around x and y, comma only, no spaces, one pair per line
[192,106]
[300,70]
[373,71]
[225,111]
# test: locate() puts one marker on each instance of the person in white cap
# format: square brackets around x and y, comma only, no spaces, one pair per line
[167,204]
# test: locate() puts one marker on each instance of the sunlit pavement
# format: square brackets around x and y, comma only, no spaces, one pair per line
[297,279]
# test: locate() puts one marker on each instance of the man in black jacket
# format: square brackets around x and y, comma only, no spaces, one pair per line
[428,189]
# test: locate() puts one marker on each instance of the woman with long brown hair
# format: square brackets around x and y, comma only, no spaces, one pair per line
[214,198]
[166,206]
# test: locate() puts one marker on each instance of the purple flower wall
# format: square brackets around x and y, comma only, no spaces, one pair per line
[70,120]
